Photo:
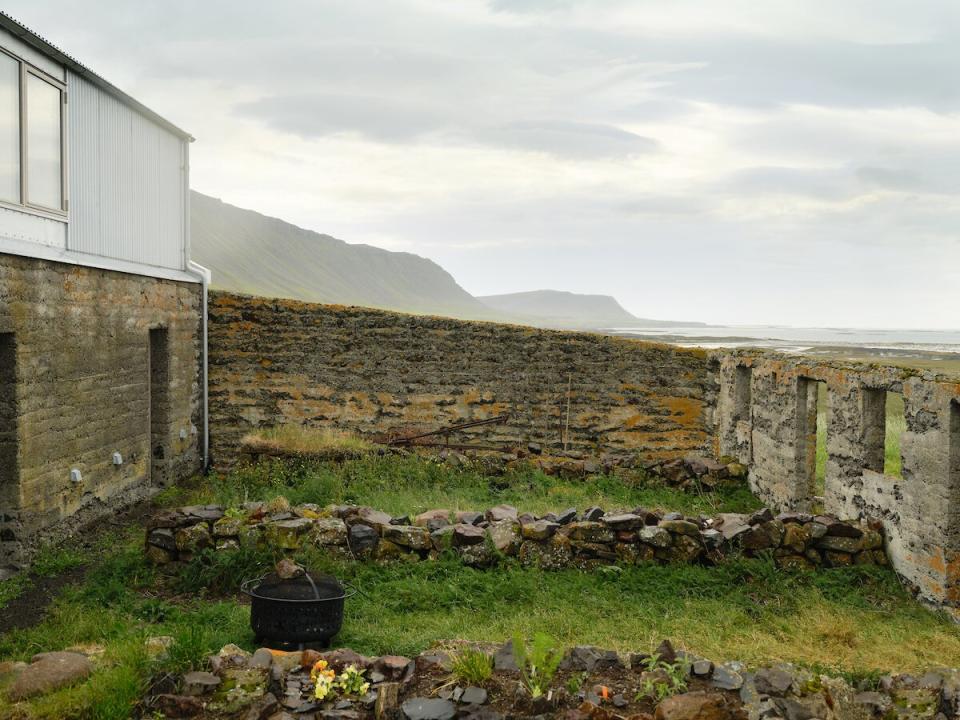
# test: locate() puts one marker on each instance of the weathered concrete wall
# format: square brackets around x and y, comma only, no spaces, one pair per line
[75,387]
[280,361]
[776,436]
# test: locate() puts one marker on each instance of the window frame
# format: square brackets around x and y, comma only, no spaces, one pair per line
[24,205]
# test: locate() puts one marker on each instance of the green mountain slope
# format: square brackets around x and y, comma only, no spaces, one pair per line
[255,254]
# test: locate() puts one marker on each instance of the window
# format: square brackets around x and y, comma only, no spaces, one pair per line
[883,426]
[9,129]
[741,393]
[31,137]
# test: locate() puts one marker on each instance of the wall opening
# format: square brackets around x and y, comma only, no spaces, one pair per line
[159,373]
[954,467]
[812,434]
[821,400]
[742,393]
[9,461]
[883,425]
[896,424]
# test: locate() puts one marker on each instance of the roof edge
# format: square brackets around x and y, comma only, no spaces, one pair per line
[24,33]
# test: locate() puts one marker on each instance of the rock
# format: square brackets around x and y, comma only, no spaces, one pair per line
[685,549]
[623,521]
[199,683]
[158,647]
[287,569]
[592,514]
[807,707]
[227,527]
[420,708]
[411,536]
[374,518]
[395,668]
[49,672]
[178,706]
[539,529]
[726,678]
[680,527]
[694,706]
[193,538]
[329,531]
[362,539]
[839,543]
[464,535]
[424,519]
[877,704]
[388,700]
[837,528]
[585,658]
[503,659]
[655,536]
[921,703]
[712,539]
[773,681]
[702,668]
[287,534]
[589,531]
[796,537]
[501,512]
[666,652]
[241,688]
[468,517]
[262,658]
[732,525]
[760,516]
[505,536]
[262,709]
[474,696]
[567,516]
[159,556]
[163,538]
[478,556]
[736,470]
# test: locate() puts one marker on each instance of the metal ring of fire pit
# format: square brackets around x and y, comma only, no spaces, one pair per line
[300,611]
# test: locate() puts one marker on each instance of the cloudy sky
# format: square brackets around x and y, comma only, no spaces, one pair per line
[734,161]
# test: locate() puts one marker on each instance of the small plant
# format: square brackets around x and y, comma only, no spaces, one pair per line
[352,682]
[472,666]
[575,682]
[662,679]
[538,664]
[324,680]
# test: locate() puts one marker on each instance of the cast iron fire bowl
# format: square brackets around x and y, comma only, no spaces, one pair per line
[297,613]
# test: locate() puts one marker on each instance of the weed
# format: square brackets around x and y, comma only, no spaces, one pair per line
[472,667]
[538,663]
[662,679]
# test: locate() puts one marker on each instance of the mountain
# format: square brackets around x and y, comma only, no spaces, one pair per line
[259,255]
[555,308]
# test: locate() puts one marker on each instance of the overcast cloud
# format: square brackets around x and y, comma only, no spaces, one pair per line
[785,162]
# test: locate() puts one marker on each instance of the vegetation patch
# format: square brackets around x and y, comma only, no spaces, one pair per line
[292,440]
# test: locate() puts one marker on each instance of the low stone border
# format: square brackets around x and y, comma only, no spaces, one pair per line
[591,684]
[584,540]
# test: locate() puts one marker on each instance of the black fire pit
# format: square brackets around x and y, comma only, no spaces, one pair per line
[297,613]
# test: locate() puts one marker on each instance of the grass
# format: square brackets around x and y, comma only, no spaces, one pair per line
[412,484]
[856,621]
[293,439]
[896,424]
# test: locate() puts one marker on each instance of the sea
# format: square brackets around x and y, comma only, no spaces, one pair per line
[880,343]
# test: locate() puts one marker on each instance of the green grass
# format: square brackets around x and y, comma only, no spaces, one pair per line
[895,426]
[304,440]
[412,484]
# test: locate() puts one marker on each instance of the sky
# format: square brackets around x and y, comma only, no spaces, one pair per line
[728,161]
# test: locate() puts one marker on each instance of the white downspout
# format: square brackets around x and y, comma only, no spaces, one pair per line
[205,277]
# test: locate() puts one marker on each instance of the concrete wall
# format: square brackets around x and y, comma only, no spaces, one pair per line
[776,436]
[79,389]
[280,361]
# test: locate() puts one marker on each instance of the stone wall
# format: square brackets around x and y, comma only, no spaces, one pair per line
[76,387]
[587,540]
[767,418]
[282,361]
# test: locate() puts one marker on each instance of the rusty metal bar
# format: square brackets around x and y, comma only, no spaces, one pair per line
[450,429]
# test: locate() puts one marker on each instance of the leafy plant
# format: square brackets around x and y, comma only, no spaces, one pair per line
[352,682]
[538,663]
[662,679]
[575,682]
[472,666]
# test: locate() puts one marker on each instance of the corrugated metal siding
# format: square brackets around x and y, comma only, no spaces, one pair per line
[126,181]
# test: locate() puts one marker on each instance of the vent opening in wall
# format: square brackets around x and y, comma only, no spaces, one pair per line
[159,374]
[893,437]
[9,461]
[814,406]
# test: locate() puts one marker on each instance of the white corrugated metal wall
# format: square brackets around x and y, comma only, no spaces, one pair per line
[126,181]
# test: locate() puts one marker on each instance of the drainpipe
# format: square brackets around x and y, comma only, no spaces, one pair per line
[205,276]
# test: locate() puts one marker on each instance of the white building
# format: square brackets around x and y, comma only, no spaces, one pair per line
[101,311]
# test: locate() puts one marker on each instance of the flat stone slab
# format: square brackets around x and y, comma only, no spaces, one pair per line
[428,709]
[49,672]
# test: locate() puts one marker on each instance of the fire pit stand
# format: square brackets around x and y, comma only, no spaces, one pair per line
[296,613]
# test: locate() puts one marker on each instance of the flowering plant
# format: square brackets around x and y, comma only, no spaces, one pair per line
[324,680]
[327,684]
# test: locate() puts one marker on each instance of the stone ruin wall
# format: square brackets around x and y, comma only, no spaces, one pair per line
[767,419]
[283,361]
